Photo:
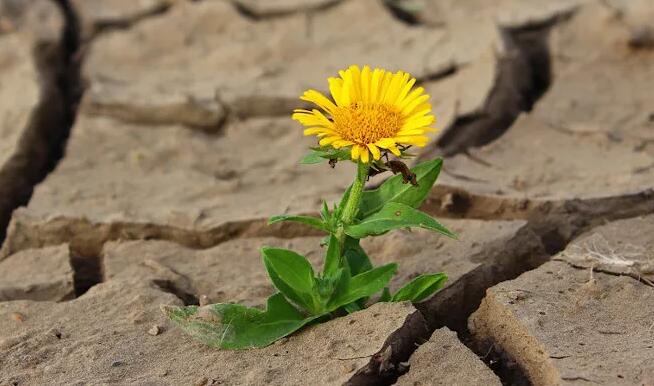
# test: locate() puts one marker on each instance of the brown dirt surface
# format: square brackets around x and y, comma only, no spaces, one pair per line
[100,15]
[37,274]
[204,273]
[198,188]
[624,247]
[32,107]
[587,119]
[444,360]
[567,324]
[102,337]
[144,144]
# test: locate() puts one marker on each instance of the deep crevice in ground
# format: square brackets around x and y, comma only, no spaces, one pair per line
[87,272]
[43,141]
[387,365]
[556,223]
[169,286]
[524,75]
[452,306]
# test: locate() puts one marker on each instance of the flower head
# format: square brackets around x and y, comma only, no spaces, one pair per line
[372,111]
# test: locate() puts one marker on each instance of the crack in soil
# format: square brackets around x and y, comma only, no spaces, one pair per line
[523,77]
[385,367]
[170,287]
[258,15]
[42,143]
[104,26]
[87,238]
[87,272]
[555,220]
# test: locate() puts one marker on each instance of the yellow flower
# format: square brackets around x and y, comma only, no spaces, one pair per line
[371,110]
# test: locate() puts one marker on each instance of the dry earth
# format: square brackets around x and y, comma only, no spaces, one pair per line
[174,119]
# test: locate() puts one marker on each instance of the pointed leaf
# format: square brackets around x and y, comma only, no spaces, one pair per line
[393,216]
[292,275]
[319,154]
[312,158]
[234,326]
[395,190]
[364,285]
[324,213]
[386,295]
[357,259]
[420,288]
[332,257]
[341,205]
[313,221]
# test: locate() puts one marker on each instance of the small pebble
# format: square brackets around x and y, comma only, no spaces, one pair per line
[117,363]
[154,330]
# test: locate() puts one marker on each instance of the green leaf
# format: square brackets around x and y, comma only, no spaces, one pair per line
[324,213]
[386,295]
[332,257]
[313,221]
[356,257]
[392,216]
[292,275]
[364,285]
[312,158]
[420,288]
[320,154]
[234,326]
[395,190]
[352,307]
[341,205]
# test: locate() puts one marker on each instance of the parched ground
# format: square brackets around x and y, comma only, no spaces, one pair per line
[143,145]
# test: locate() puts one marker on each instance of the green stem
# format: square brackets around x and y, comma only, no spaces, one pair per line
[352,205]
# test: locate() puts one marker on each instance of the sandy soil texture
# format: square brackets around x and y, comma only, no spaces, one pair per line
[144,144]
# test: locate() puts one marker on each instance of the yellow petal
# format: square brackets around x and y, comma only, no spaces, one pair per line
[365,156]
[417,123]
[336,89]
[376,154]
[341,143]
[346,93]
[385,85]
[407,133]
[385,143]
[365,84]
[355,81]
[327,140]
[418,140]
[319,99]
[355,152]
[421,110]
[405,90]
[375,84]
[395,87]
[410,98]
[409,108]
[317,130]
[315,118]
[395,150]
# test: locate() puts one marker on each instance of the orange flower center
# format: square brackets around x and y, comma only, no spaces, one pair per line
[365,123]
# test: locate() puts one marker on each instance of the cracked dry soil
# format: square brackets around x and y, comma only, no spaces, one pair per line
[143,145]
